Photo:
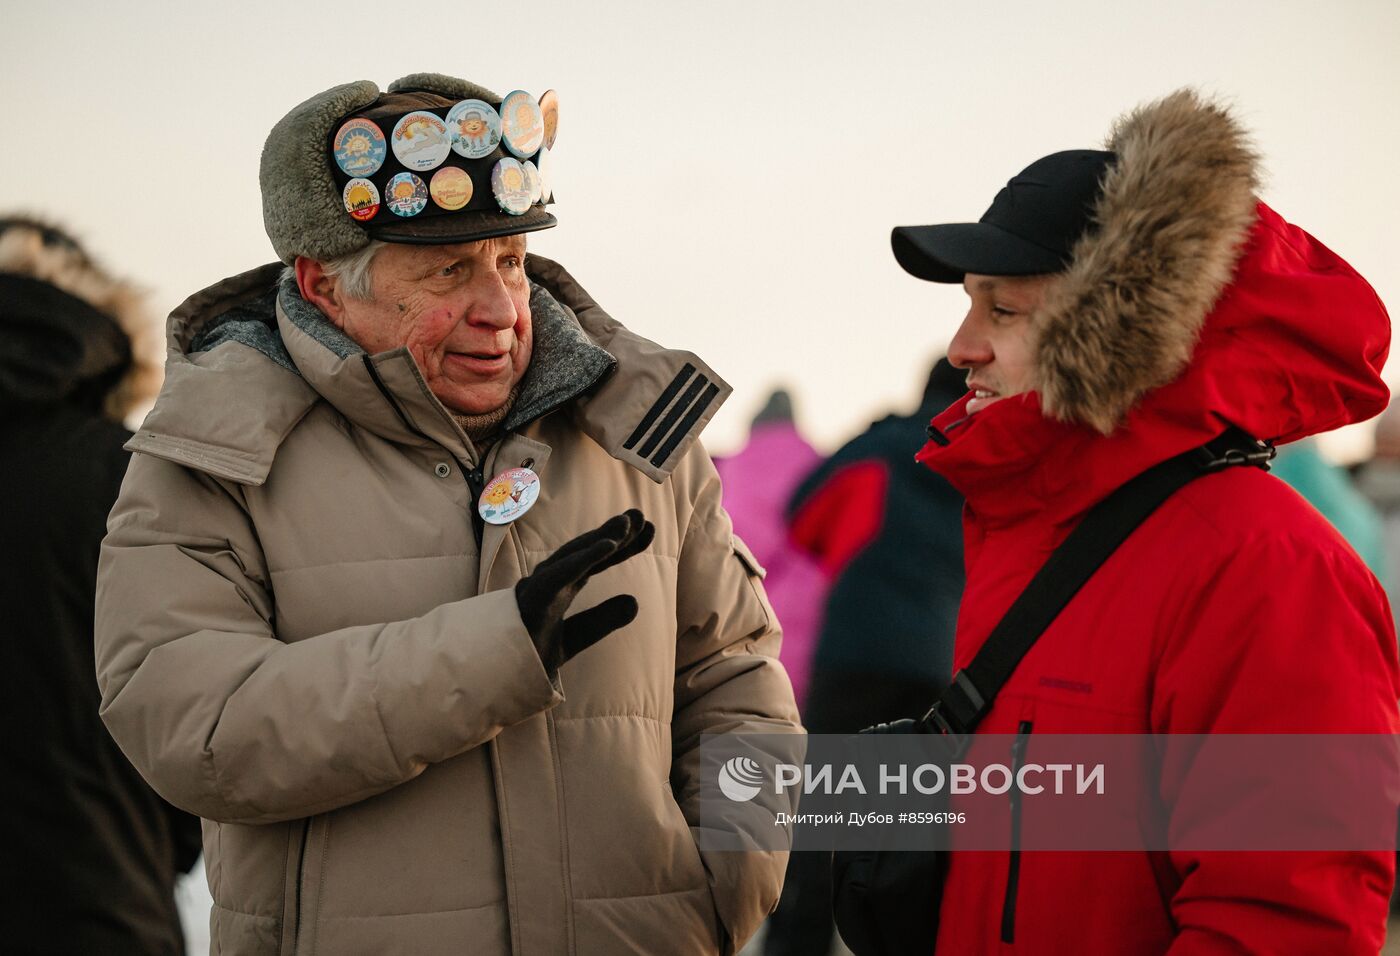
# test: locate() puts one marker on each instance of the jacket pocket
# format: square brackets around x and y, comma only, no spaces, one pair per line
[1013,871]
[306,885]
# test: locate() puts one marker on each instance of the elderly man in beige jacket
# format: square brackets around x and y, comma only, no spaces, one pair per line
[332,601]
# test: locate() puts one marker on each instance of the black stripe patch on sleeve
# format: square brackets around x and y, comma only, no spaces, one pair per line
[659,406]
[677,410]
[686,424]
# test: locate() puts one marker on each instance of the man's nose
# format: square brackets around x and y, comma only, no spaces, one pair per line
[969,347]
[491,303]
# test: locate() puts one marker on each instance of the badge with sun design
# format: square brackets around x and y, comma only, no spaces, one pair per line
[509,495]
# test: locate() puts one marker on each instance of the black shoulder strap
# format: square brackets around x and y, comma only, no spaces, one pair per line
[1088,546]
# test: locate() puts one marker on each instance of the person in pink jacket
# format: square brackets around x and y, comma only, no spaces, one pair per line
[758,481]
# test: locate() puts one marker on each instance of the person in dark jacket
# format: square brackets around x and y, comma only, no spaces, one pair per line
[888,533]
[91,851]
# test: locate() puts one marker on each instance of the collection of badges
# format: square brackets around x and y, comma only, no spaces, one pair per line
[422,141]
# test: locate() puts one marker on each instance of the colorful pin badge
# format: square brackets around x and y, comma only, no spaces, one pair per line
[522,125]
[359,147]
[511,187]
[451,188]
[549,110]
[546,168]
[361,199]
[474,127]
[406,195]
[532,181]
[420,141]
[509,495]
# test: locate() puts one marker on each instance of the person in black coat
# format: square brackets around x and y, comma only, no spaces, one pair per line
[91,852]
[888,532]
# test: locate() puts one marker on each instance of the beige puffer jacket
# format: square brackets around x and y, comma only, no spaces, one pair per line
[299,639]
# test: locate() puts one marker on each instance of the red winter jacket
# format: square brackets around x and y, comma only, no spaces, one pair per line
[1235,608]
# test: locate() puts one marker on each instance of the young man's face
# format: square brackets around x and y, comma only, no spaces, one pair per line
[995,342]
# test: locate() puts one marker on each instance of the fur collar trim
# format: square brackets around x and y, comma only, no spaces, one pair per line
[1175,210]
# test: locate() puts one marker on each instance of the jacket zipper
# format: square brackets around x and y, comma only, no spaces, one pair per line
[301,867]
[1013,873]
[476,484]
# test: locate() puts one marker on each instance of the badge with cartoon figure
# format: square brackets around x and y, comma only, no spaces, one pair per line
[522,125]
[451,188]
[420,141]
[361,199]
[511,186]
[475,128]
[549,110]
[406,195]
[509,495]
[359,147]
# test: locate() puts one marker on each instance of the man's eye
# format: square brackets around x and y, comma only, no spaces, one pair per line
[451,270]
[1001,313]
[511,262]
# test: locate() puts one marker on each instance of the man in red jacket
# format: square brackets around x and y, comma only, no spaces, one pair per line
[1128,305]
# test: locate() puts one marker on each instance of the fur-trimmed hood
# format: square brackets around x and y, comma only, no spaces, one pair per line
[49,352]
[1173,213]
[1191,306]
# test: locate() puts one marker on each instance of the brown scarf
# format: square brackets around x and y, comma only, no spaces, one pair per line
[481,429]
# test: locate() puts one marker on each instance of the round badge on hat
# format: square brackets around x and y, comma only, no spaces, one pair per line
[420,141]
[509,495]
[359,147]
[533,181]
[361,199]
[451,188]
[406,195]
[474,127]
[549,110]
[522,125]
[546,168]
[511,186]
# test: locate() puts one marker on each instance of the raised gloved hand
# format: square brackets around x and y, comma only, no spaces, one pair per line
[546,594]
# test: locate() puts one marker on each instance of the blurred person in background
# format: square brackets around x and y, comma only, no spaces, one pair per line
[91,852]
[1330,489]
[888,533]
[1379,481]
[758,480]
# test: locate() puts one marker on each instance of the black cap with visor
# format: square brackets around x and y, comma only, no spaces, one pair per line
[1030,228]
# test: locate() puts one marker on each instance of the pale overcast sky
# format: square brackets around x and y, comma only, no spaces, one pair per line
[727,173]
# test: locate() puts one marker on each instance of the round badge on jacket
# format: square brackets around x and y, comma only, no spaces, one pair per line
[509,495]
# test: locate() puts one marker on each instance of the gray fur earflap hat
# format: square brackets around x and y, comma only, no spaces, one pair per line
[304,211]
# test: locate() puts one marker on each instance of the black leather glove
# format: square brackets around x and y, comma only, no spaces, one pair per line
[546,594]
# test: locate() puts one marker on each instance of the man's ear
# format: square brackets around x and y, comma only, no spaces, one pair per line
[321,290]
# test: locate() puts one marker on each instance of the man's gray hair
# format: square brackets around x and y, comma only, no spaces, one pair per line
[352,269]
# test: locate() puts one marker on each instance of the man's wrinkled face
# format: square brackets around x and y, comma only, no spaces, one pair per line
[463,311]
[996,342]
